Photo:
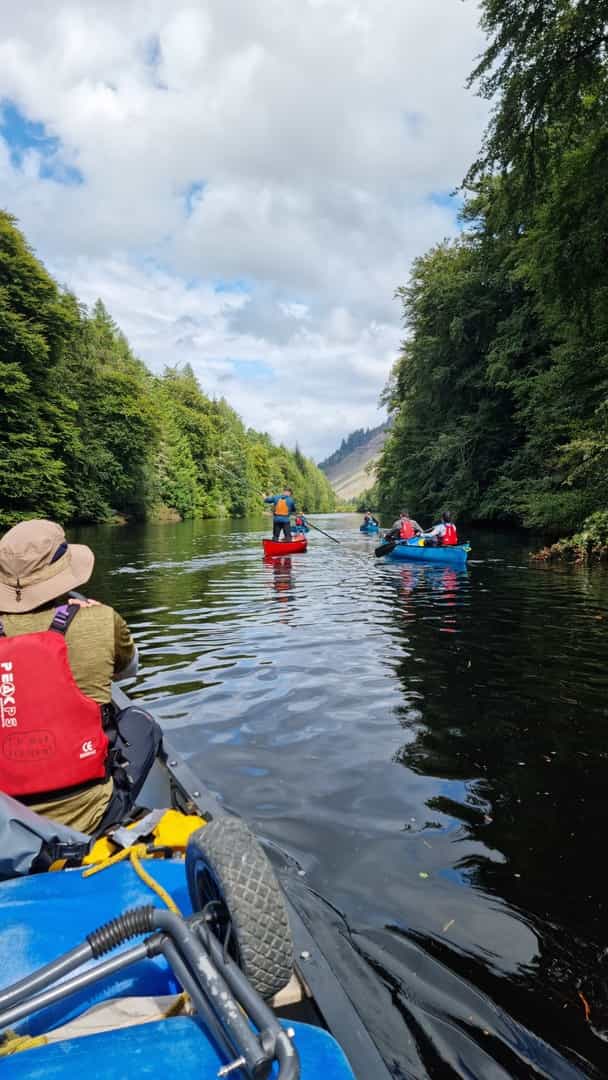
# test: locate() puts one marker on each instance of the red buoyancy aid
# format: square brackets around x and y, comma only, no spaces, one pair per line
[407,530]
[51,734]
[450,536]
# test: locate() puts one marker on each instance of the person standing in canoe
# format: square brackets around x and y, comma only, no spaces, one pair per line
[443,534]
[283,506]
[404,528]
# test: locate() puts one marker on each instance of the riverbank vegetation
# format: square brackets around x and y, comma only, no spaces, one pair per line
[499,398]
[588,545]
[90,434]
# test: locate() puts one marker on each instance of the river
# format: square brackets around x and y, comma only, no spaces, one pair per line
[430,746]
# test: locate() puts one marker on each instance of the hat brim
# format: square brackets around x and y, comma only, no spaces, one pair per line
[78,571]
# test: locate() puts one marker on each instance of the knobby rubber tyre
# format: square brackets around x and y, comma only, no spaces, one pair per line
[225,864]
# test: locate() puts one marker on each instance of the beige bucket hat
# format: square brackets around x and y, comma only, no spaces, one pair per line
[37,565]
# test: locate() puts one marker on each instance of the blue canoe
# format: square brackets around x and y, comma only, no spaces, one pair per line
[45,915]
[413,552]
[300,529]
[369,528]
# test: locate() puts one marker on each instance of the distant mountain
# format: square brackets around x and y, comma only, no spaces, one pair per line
[347,468]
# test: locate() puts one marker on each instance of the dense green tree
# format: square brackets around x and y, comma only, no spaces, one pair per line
[500,395]
[37,416]
[117,421]
[89,432]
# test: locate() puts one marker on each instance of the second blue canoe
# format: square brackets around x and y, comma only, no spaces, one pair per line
[449,556]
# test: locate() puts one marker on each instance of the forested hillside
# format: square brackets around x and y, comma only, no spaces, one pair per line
[351,469]
[500,394]
[356,439]
[89,432]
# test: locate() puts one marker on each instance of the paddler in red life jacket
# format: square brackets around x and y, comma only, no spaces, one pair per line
[283,505]
[444,534]
[404,528]
[63,751]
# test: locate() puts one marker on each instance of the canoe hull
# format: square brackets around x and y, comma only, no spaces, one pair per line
[275,548]
[50,912]
[447,556]
[299,530]
[369,528]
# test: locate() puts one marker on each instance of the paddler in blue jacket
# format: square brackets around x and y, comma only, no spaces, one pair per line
[283,506]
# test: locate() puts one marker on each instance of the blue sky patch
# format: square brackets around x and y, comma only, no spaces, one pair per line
[251,370]
[193,195]
[21,135]
[414,123]
[446,199]
[152,50]
[449,200]
[153,58]
[237,285]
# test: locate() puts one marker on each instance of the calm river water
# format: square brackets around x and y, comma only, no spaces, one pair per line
[430,746]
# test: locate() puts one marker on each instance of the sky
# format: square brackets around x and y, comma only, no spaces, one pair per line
[244,184]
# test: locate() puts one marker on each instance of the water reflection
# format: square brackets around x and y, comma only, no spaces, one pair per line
[512,731]
[282,583]
[428,579]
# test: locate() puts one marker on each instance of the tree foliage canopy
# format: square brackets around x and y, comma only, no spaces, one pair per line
[500,394]
[89,432]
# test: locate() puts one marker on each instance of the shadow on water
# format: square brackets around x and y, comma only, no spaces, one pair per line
[428,745]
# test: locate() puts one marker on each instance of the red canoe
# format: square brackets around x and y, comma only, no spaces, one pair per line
[282,547]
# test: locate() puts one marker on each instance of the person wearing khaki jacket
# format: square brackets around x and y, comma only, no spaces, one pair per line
[38,569]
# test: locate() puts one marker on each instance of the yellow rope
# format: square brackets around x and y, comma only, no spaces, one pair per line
[134,853]
[13,1043]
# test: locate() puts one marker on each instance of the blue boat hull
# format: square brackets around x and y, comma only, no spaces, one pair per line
[45,914]
[157,1050]
[369,528]
[448,556]
[300,529]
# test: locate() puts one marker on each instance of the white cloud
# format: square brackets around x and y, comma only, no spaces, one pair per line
[319,131]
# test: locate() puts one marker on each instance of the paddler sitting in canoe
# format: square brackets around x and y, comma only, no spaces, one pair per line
[63,750]
[282,506]
[404,528]
[443,534]
[369,518]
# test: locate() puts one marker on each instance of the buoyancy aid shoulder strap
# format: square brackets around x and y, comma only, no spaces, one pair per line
[63,617]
